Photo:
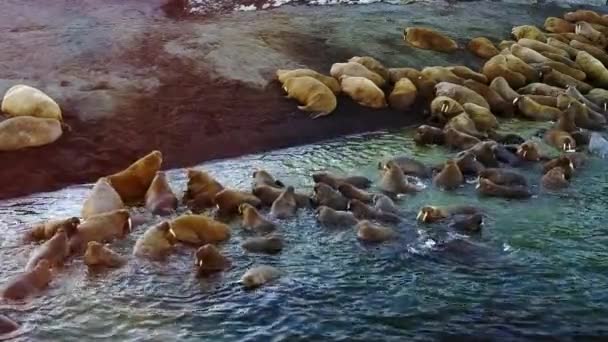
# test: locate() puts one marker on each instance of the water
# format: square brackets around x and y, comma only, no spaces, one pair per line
[539,268]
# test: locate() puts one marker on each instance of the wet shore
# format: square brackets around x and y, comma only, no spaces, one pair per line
[133,76]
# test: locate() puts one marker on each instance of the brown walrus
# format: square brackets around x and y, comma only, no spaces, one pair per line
[503,177]
[46,230]
[156,243]
[488,188]
[199,229]
[450,176]
[263,177]
[555,179]
[393,180]
[133,182]
[430,214]
[201,190]
[370,232]
[268,195]
[285,206]
[352,192]
[209,261]
[228,201]
[98,255]
[271,244]
[428,39]
[28,283]
[101,228]
[330,217]
[55,251]
[254,221]
[325,195]
[560,140]
[429,135]
[334,181]
[363,211]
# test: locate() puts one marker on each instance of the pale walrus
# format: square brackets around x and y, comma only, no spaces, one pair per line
[283,75]
[528,31]
[28,283]
[541,47]
[372,64]
[156,243]
[527,55]
[460,93]
[23,100]
[482,47]
[285,206]
[370,232]
[28,131]
[558,25]
[98,255]
[133,182]
[463,123]
[497,67]
[160,199]
[327,196]
[450,176]
[259,275]
[199,229]
[102,199]
[330,217]
[467,74]
[428,39]
[104,227]
[403,95]
[271,244]
[46,230]
[482,117]
[363,211]
[594,51]
[55,251]
[263,177]
[439,74]
[209,260]
[424,85]
[254,221]
[312,94]
[363,91]
[355,70]
[443,109]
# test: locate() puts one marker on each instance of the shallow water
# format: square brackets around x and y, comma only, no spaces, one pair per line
[538,269]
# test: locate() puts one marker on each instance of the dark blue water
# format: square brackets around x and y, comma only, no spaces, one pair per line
[539,268]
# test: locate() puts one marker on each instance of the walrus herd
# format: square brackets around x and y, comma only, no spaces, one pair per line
[553,76]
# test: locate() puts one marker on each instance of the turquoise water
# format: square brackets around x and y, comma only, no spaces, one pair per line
[539,268]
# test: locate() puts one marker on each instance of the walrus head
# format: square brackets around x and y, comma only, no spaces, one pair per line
[445,107]
[429,214]
[568,144]
[577,28]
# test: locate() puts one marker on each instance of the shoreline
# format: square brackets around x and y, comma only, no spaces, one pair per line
[136,76]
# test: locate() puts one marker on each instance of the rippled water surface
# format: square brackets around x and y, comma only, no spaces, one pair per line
[539,267]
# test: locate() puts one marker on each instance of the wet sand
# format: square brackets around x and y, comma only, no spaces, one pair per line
[133,76]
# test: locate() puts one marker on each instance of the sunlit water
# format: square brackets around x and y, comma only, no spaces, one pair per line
[539,268]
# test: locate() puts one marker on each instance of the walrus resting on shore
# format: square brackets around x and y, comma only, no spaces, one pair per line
[428,39]
[313,96]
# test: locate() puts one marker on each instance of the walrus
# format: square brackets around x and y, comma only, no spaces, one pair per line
[440,74]
[541,89]
[555,78]
[467,223]
[482,117]
[585,15]
[582,138]
[228,201]
[598,110]
[385,204]
[586,30]
[156,243]
[98,255]
[484,153]
[330,217]
[46,230]
[160,199]
[541,47]
[562,162]
[259,275]
[463,123]
[468,164]
[331,83]
[372,64]
[532,110]
[133,182]
[488,188]
[363,91]
[272,244]
[355,70]
[505,138]
[544,100]
[268,195]
[498,104]
[7,325]
[28,283]
[312,95]
[254,221]
[55,251]
[516,64]
[528,151]
[502,87]
[429,135]
[594,51]
[577,115]
[482,47]
[209,260]
[560,60]
[327,196]
[424,85]
[199,229]
[450,176]
[430,214]
[403,95]
[572,52]
[285,206]
[505,155]
[564,69]
[352,192]
[503,177]
[527,55]
[393,180]
[363,211]
[370,232]
[444,108]
[458,140]
[555,179]
[505,45]
[528,31]
[468,74]
[595,70]
[102,199]
[27,131]
[23,100]
[599,97]
[428,39]
[409,166]
[334,181]
[558,25]
[562,37]
[201,190]
[104,227]
[561,140]
[263,177]
[578,159]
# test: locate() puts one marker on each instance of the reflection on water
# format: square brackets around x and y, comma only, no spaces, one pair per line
[539,267]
